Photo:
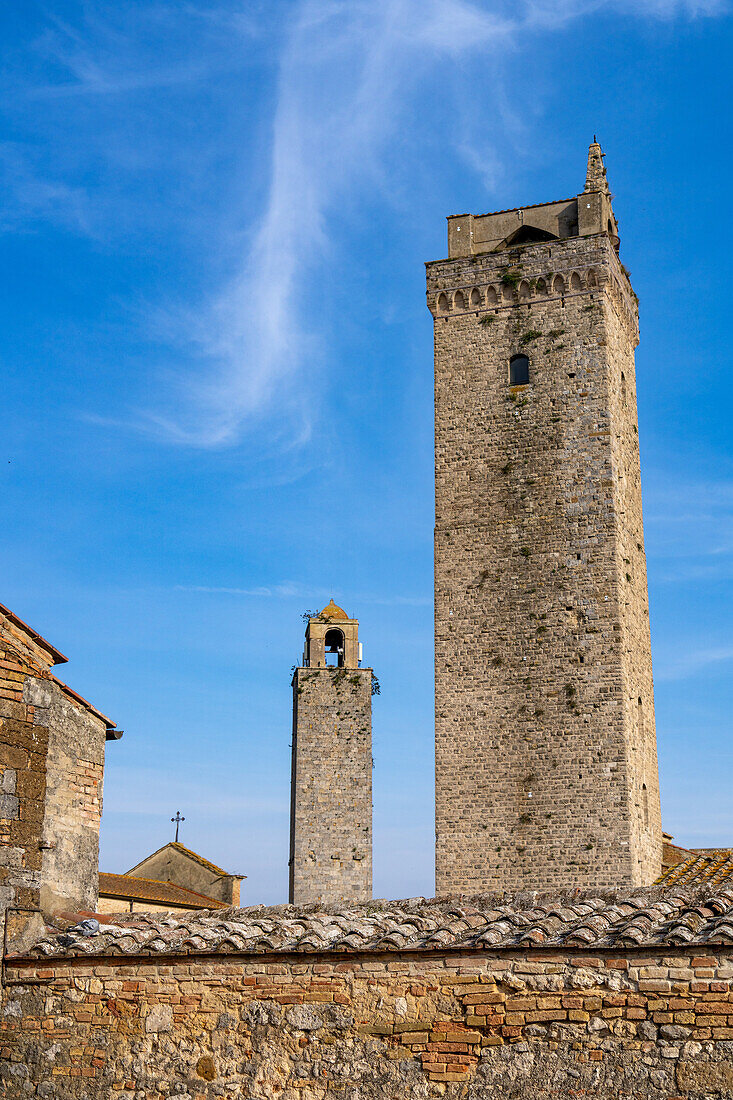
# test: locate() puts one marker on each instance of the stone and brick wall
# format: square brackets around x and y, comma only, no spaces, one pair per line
[387,1026]
[73,806]
[546,768]
[331,811]
[51,770]
[23,750]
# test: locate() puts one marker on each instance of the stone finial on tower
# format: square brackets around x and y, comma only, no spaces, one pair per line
[595,179]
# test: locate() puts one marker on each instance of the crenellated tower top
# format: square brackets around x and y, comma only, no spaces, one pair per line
[583,215]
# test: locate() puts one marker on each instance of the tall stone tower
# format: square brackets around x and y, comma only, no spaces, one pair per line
[545,738]
[331,782]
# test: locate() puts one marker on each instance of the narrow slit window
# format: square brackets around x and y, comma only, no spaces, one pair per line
[518,370]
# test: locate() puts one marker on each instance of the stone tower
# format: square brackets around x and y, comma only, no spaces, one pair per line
[331,779]
[545,739]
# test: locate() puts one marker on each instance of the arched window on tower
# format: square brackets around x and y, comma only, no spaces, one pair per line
[334,643]
[518,370]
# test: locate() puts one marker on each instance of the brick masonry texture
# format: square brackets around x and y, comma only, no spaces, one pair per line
[331,812]
[546,770]
[654,1022]
[51,770]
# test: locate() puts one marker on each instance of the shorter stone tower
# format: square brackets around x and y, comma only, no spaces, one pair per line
[331,785]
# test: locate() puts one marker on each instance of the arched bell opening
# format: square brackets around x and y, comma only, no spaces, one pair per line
[334,643]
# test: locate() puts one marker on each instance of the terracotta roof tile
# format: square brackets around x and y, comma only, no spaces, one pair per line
[650,917]
[713,868]
[150,890]
[332,611]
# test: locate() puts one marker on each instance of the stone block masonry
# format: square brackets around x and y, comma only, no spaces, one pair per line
[52,746]
[331,784]
[546,768]
[392,1025]
[331,849]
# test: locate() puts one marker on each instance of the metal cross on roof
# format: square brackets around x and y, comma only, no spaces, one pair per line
[178,819]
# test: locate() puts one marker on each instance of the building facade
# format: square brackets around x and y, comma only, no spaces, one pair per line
[546,767]
[52,746]
[331,784]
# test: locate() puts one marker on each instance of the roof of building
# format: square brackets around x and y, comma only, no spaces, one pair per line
[88,706]
[643,918]
[151,890]
[709,868]
[57,657]
[333,611]
[191,855]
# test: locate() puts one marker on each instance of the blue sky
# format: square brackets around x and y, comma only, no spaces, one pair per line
[217,368]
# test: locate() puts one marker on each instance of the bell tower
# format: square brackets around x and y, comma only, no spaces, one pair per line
[546,764]
[331,776]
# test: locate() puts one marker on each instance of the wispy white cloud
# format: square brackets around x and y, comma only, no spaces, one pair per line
[277,591]
[689,527]
[686,664]
[289,589]
[350,75]
[347,73]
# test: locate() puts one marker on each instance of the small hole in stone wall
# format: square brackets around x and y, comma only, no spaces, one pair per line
[581,659]
[571,375]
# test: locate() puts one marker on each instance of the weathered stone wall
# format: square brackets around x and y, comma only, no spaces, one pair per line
[545,760]
[23,748]
[51,767]
[388,1027]
[73,809]
[331,811]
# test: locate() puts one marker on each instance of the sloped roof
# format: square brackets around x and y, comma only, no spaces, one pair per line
[151,890]
[333,611]
[709,868]
[652,917]
[85,704]
[178,847]
[57,658]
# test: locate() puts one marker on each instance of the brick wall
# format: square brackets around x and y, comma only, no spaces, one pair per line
[656,1024]
[51,769]
[23,748]
[331,812]
[546,769]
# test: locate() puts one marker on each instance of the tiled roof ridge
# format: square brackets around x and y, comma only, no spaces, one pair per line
[130,882]
[57,657]
[714,866]
[191,854]
[599,920]
[200,859]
